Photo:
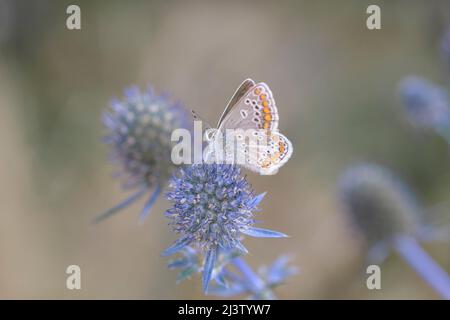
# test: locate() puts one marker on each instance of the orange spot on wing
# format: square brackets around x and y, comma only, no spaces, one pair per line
[265,104]
[257,91]
[266,110]
[263,97]
[266,125]
[275,138]
[267,117]
[275,156]
[266,163]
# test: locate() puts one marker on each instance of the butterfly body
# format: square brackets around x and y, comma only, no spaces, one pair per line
[251,118]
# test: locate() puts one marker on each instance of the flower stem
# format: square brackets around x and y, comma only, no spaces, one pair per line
[122,205]
[254,282]
[424,265]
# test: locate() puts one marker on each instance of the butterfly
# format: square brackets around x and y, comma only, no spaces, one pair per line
[251,115]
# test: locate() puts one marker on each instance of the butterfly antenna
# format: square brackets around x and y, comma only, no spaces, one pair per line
[196,117]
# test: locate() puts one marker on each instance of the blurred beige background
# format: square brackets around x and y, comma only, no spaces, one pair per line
[335,85]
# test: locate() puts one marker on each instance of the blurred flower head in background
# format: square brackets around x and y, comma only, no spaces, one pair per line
[139,135]
[388,216]
[379,205]
[382,208]
[139,130]
[426,104]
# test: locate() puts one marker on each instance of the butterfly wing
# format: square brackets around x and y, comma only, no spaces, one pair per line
[241,91]
[264,158]
[277,153]
[255,109]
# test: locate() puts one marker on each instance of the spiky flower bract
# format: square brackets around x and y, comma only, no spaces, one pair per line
[379,204]
[270,277]
[212,209]
[229,283]
[426,104]
[139,135]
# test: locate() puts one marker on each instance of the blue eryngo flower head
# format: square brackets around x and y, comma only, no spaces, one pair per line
[212,209]
[380,206]
[426,104]
[139,134]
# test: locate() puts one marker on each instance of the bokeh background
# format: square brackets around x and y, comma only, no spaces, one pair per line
[335,83]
